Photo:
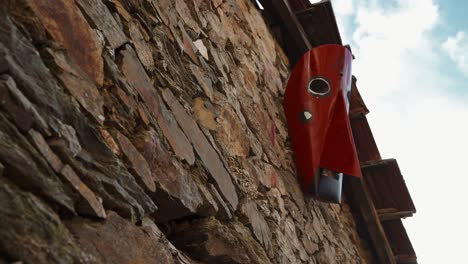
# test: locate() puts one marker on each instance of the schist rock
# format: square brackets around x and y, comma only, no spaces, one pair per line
[178,194]
[137,162]
[118,241]
[204,149]
[137,77]
[32,232]
[102,19]
[211,241]
[58,18]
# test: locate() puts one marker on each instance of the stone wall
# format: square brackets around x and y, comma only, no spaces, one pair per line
[151,131]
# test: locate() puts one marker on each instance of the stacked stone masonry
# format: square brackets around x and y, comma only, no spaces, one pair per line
[151,131]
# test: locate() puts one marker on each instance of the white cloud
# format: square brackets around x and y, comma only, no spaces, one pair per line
[457,49]
[343,7]
[413,117]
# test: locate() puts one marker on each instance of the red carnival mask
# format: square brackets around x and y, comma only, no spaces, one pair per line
[316,105]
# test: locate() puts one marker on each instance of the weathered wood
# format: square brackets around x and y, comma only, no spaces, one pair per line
[406,259]
[387,188]
[363,201]
[399,241]
[386,210]
[357,107]
[376,163]
[364,140]
[395,215]
[304,11]
[292,24]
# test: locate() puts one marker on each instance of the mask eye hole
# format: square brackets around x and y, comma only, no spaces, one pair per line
[319,87]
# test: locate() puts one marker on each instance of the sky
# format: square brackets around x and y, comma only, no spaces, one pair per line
[412,71]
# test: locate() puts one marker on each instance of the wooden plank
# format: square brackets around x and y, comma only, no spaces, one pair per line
[376,163]
[371,219]
[399,242]
[292,24]
[406,259]
[387,187]
[386,210]
[357,107]
[305,11]
[364,140]
[395,215]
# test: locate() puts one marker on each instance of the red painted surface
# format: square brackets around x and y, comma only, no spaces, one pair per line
[327,140]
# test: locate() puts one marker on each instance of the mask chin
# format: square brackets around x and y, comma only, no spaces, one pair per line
[328,185]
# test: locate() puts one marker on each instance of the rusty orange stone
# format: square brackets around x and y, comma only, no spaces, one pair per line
[67,26]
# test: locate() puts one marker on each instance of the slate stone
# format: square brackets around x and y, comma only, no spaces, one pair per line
[31,232]
[285,253]
[257,224]
[204,116]
[23,120]
[143,115]
[203,81]
[210,205]
[290,232]
[109,180]
[41,144]
[121,10]
[24,113]
[119,180]
[177,195]
[185,15]
[136,76]
[115,75]
[216,3]
[140,38]
[22,13]
[126,99]
[117,241]
[211,241]
[101,18]
[67,133]
[137,162]
[201,48]
[292,187]
[110,141]
[179,257]
[217,62]
[89,203]
[27,168]
[61,16]
[232,135]
[187,45]
[204,149]
[78,84]
[223,210]
[22,61]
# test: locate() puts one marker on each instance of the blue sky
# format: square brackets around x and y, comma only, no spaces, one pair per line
[412,70]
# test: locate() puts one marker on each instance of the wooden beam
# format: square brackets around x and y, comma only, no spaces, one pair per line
[305,11]
[395,215]
[357,114]
[292,24]
[371,219]
[376,163]
[386,210]
[406,259]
